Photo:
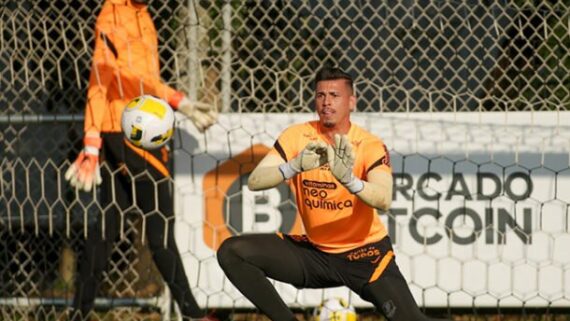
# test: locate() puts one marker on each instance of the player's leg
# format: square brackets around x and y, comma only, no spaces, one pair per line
[152,187]
[248,261]
[99,244]
[162,243]
[391,295]
[372,272]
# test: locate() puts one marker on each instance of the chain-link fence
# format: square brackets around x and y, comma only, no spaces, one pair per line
[506,55]
[245,56]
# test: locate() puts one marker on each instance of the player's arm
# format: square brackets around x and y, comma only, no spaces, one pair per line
[153,85]
[84,173]
[273,169]
[103,70]
[267,174]
[377,190]
[202,115]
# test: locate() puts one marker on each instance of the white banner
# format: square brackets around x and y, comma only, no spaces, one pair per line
[480,213]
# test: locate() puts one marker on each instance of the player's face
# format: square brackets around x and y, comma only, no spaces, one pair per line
[334,101]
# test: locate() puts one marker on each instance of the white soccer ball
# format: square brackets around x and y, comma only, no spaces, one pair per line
[335,309]
[148,122]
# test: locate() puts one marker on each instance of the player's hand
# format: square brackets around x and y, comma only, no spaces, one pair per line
[314,155]
[84,173]
[201,114]
[341,159]
[341,162]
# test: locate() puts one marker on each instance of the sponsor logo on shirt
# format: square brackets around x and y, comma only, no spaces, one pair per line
[316,194]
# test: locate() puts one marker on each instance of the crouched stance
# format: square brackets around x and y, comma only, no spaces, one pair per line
[339,174]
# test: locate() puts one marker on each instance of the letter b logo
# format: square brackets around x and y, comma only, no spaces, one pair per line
[231,208]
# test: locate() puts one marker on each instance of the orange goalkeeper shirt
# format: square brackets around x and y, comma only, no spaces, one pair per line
[334,219]
[125,64]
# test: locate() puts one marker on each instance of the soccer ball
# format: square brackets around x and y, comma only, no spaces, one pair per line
[148,122]
[334,309]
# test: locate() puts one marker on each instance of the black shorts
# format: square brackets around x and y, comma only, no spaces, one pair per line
[355,268]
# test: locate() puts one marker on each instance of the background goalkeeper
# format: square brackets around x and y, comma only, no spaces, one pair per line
[126,65]
[339,174]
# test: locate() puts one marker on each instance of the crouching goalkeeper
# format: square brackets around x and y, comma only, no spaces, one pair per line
[126,65]
[339,174]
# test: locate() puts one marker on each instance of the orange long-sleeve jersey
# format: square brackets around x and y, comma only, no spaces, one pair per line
[334,219]
[125,65]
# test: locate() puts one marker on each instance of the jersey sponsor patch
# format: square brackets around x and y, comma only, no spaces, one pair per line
[317,184]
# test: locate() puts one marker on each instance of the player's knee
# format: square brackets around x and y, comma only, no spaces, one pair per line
[392,297]
[228,253]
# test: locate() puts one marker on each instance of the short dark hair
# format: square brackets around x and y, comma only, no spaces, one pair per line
[333,73]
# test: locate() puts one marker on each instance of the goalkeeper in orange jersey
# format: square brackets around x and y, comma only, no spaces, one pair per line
[339,174]
[126,65]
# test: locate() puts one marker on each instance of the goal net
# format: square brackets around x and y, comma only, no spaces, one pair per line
[470,97]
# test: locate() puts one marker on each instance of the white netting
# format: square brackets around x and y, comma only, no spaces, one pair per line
[257,58]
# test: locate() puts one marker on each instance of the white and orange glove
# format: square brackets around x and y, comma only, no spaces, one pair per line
[341,161]
[84,173]
[314,155]
[201,114]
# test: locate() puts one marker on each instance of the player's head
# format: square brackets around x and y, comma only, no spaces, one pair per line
[140,1]
[334,97]
[334,73]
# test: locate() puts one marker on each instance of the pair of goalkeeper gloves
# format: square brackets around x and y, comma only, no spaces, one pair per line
[340,158]
[84,173]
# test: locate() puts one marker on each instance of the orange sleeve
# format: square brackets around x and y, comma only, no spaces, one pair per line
[111,76]
[285,145]
[156,87]
[377,157]
[103,69]
[153,84]
[159,89]
[167,93]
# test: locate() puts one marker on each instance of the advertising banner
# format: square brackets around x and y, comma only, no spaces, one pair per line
[480,212]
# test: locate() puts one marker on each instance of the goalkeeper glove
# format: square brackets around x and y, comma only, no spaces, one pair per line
[341,162]
[84,173]
[314,155]
[201,114]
